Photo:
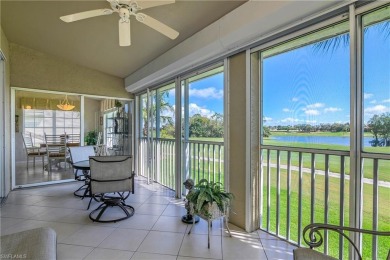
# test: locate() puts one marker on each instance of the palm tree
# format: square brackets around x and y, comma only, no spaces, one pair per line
[380,21]
[165,107]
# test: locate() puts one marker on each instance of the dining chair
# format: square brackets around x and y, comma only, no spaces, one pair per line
[55,150]
[112,182]
[72,140]
[32,150]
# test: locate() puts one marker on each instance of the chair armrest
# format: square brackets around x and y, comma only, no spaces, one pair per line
[315,239]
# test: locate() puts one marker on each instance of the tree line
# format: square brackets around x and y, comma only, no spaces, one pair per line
[379,126]
[199,126]
[307,128]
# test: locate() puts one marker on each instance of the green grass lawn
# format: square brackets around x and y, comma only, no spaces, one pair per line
[201,166]
[334,210]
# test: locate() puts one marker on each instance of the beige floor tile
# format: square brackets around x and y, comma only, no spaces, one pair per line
[277,249]
[139,221]
[72,252]
[104,254]
[170,224]
[200,228]
[161,243]
[195,245]
[8,222]
[24,225]
[151,209]
[89,236]
[242,247]
[53,214]
[21,211]
[148,256]
[193,258]
[265,235]
[124,239]
[175,210]
[77,217]
[159,200]
[24,199]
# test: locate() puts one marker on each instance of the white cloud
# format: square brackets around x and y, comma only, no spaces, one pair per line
[207,93]
[171,92]
[332,109]
[311,121]
[290,120]
[315,105]
[286,110]
[378,109]
[312,112]
[267,118]
[374,101]
[195,109]
[386,101]
[368,95]
[294,99]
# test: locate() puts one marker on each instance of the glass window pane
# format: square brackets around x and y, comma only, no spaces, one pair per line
[376,81]
[305,85]
[48,122]
[48,113]
[205,105]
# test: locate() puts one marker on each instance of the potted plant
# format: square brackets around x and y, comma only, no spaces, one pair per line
[208,199]
[91,138]
[118,105]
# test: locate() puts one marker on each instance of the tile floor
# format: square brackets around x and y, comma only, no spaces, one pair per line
[154,232]
[38,175]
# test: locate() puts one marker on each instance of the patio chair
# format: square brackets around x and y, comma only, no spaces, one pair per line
[33,151]
[112,181]
[55,150]
[315,239]
[78,154]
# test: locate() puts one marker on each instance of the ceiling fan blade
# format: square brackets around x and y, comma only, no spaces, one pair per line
[157,25]
[152,3]
[85,15]
[124,33]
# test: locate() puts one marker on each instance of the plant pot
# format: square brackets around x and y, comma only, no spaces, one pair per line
[212,211]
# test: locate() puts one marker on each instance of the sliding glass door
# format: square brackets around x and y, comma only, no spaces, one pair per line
[157,135]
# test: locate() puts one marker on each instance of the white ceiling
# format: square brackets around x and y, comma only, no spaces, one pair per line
[94,42]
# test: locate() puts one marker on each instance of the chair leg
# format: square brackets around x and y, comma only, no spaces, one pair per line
[227,226]
[34,162]
[208,233]
[27,162]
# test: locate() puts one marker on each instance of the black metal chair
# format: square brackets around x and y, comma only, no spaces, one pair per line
[79,154]
[112,181]
[315,239]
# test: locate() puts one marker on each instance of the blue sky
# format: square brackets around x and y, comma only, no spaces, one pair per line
[308,86]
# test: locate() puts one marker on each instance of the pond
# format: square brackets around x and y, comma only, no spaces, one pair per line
[336,140]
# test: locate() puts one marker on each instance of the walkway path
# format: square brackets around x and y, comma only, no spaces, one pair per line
[385,184]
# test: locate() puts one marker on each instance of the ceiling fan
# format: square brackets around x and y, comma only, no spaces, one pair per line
[125,9]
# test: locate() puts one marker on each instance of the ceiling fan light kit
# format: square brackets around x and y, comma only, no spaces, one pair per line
[125,9]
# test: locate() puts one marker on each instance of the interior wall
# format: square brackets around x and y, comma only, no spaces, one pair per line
[4,47]
[91,114]
[37,70]
[237,137]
